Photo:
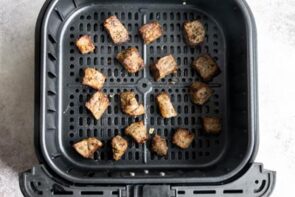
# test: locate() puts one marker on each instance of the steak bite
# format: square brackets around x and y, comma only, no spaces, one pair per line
[137,131]
[151,32]
[164,66]
[97,104]
[159,145]
[206,67]
[93,78]
[211,124]
[183,138]
[116,30]
[194,32]
[87,147]
[129,104]
[119,147]
[200,92]
[166,108]
[131,60]
[85,44]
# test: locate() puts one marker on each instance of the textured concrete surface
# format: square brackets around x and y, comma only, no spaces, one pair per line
[276,47]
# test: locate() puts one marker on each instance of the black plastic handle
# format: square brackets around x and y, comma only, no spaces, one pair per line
[255,182]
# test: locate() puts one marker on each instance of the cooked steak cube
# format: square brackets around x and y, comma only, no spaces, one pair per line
[119,147]
[93,78]
[116,30]
[151,32]
[166,108]
[163,67]
[183,138]
[129,104]
[206,67]
[131,60]
[194,32]
[97,104]
[137,131]
[87,147]
[159,145]
[211,124]
[200,92]
[85,44]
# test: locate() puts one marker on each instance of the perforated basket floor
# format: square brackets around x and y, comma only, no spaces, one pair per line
[78,123]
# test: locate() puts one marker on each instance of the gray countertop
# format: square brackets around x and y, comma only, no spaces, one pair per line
[276,46]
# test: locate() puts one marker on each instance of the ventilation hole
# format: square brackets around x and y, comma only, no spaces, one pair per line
[129,15]
[130,156]
[181,192]
[89,17]
[180,155]
[88,27]
[137,156]
[81,109]
[165,27]
[256,181]
[92,193]
[151,16]
[204,192]
[158,16]
[193,154]
[81,27]
[173,121]
[72,28]
[233,191]
[71,135]
[102,39]
[172,16]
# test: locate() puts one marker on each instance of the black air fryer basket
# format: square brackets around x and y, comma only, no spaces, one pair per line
[220,165]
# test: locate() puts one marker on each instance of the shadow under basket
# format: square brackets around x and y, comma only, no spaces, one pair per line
[214,165]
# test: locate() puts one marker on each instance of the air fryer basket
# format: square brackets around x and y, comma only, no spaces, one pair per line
[62,119]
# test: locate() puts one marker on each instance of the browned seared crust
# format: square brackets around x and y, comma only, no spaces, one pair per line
[151,32]
[119,147]
[206,67]
[194,32]
[131,60]
[166,108]
[85,44]
[129,104]
[200,92]
[211,124]
[97,104]
[116,30]
[137,131]
[87,147]
[183,138]
[163,67]
[159,145]
[93,78]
